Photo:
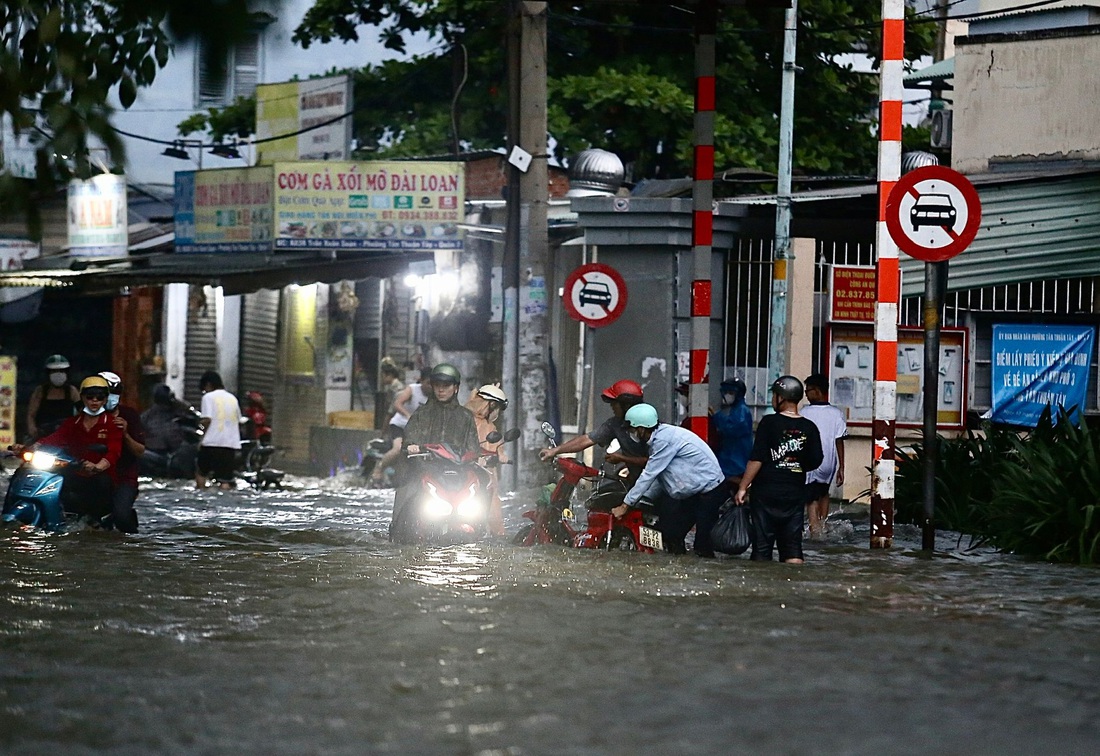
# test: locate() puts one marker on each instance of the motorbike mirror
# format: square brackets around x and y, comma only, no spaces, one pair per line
[511,435]
[493,437]
[548,430]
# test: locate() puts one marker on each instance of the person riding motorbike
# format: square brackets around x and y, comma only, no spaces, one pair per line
[53,400]
[89,491]
[621,395]
[255,409]
[487,404]
[441,421]
[171,435]
[128,420]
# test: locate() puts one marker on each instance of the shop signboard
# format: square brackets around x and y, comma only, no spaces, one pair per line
[385,206]
[314,112]
[852,375]
[224,210]
[1036,366]
[97,216]
[7,400]
[12,254]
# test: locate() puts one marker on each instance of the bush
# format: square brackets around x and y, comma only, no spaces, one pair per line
[1033,493]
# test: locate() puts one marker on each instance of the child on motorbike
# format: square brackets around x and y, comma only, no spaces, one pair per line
[128,420]
[487,403]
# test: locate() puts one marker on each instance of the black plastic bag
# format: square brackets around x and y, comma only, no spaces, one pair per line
[732,534]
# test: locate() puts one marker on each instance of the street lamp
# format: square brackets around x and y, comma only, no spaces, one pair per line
[179,149]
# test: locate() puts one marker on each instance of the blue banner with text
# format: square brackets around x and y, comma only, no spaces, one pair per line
[1036,366]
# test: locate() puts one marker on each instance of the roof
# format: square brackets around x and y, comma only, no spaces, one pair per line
[935,74]
[238,273]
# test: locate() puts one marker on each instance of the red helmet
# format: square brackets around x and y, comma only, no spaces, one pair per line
[622,388]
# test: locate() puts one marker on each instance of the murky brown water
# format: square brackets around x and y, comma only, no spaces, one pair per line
[284,623]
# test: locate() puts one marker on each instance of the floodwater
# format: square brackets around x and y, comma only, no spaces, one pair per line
[284,623]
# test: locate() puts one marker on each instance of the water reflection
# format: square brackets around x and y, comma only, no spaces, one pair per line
[284,622]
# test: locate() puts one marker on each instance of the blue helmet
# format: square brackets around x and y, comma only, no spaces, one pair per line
[642,416]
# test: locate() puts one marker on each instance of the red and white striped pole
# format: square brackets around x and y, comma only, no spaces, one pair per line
[887,293]
[702,225]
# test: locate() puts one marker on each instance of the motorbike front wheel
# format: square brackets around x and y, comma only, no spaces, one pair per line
[554,533]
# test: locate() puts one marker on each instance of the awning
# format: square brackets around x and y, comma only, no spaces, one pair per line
[237,273]
[935,75]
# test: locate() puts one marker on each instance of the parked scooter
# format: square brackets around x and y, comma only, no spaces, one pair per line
[552,521]
[34,495]
[256,447]
[372,456]
[452,501]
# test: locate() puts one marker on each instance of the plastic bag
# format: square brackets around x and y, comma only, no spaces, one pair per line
[732,534]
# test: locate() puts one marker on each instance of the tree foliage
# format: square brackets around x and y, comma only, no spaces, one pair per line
[620,77]
[62,60]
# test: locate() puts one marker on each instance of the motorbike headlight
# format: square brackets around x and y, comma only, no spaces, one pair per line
[471,508]
[42,460]
[435,507]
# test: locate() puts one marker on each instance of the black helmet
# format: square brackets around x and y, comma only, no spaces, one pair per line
[733,386]
[446,373]
[789,388]
[162,394]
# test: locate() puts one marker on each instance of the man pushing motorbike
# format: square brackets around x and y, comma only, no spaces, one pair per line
[443,420]
[621,396]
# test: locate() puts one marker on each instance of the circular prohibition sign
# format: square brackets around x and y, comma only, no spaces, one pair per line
[594,294]
[933,213]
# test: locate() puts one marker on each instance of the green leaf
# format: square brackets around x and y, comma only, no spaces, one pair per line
[127,91]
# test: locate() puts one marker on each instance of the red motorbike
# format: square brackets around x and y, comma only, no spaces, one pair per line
[451,504]
[552,520]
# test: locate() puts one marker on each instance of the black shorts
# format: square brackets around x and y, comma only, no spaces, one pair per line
[217,462]
[394,432]
[815,491]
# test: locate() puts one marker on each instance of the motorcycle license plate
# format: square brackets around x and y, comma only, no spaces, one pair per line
[651,538]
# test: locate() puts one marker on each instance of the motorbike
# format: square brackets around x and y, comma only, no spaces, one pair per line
[256,447]
[372,456]
[451,504]
[34,495]
[553,521]
[178,462]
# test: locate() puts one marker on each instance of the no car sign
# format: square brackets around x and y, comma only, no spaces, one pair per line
[595,294]
[933,213]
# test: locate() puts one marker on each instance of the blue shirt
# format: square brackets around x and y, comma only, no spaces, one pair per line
[679,462]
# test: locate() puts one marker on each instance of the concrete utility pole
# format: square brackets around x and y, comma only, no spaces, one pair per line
[526,352]
[778,349]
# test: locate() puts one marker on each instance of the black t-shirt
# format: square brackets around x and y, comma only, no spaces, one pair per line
[787,448]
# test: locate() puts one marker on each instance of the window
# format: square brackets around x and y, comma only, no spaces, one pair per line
[221,80]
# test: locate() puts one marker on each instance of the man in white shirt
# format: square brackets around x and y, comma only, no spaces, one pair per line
[221,422]
[833,428]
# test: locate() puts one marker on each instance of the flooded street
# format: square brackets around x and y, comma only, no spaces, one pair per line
[283,622]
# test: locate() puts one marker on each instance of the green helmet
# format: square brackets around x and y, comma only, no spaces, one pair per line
[642,416]
[446,373]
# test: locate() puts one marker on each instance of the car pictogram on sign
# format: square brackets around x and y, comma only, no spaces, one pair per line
[596,293]
[932,210]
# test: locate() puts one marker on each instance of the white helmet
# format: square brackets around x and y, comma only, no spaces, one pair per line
[491,393]
[57,362]
[114,382]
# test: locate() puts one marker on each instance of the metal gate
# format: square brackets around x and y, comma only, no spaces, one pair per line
[202,339]
[259,329]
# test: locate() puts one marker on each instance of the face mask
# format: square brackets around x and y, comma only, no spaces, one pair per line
[729,399]
[58,379]
[112,401]
[635,437]
[95,413]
